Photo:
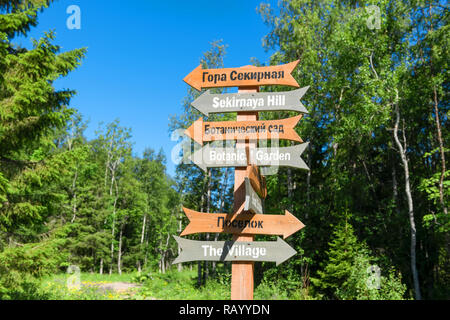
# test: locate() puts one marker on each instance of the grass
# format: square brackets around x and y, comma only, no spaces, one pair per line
[56,287]
[174,285]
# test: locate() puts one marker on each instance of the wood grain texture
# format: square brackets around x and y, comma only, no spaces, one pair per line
[244,223]
[242,283]
[257,181]
[282,129]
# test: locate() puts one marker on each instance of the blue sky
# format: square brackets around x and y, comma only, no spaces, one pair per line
[139,51]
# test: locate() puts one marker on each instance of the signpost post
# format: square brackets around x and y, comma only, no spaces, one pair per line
[247,218]
[242,283]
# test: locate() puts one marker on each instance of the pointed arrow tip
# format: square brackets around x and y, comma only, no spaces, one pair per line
[197,158]
[287,250]
[195,131]
[296,225]
[197,104]
[191,80]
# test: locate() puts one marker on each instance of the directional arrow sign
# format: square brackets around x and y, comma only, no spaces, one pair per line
[268,224]
[208,157]
[201,131]
[257,181]
[245,76]
[269,251]
[209,103]
[284,157]
[253,202]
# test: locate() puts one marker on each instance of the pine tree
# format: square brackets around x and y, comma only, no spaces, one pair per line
[31,111]
[30,107]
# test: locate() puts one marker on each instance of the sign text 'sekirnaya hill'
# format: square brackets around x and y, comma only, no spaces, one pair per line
[209,103]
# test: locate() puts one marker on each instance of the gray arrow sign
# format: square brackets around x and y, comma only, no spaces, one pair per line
[283,157]
[208,157]
[253,202]
[269,251]
[209,103]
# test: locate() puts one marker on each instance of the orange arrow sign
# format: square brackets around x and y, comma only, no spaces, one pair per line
[268,224]
[201,131]
[244,76]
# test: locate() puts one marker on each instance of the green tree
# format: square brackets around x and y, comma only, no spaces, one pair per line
[30,112]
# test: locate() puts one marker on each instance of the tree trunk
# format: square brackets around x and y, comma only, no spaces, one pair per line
[180,226]
[113,182]
[438,126]
[441,152]
[74,197]
[146,245]
[290,189]
[119,253]
[142,240]
[164,251]
[202,209]
[221,209]
[402,151]
[208,210]
[308,181]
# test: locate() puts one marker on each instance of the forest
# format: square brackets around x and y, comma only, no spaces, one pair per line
[375,199]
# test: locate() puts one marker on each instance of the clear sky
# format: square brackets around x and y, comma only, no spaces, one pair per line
[139,51]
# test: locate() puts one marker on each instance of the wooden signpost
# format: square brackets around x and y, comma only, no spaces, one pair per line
[247,218]
[202,132]
[267,251]
[209,103]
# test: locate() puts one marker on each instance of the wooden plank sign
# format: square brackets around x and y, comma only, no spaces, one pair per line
[263,251]
[257,181]
[202,132]
[209,103]
[253,202]
[249,224]
[246,76]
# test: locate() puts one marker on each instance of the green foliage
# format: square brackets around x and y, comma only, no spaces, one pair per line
[20,267]
[347,273]
[174,285]
[67,200]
